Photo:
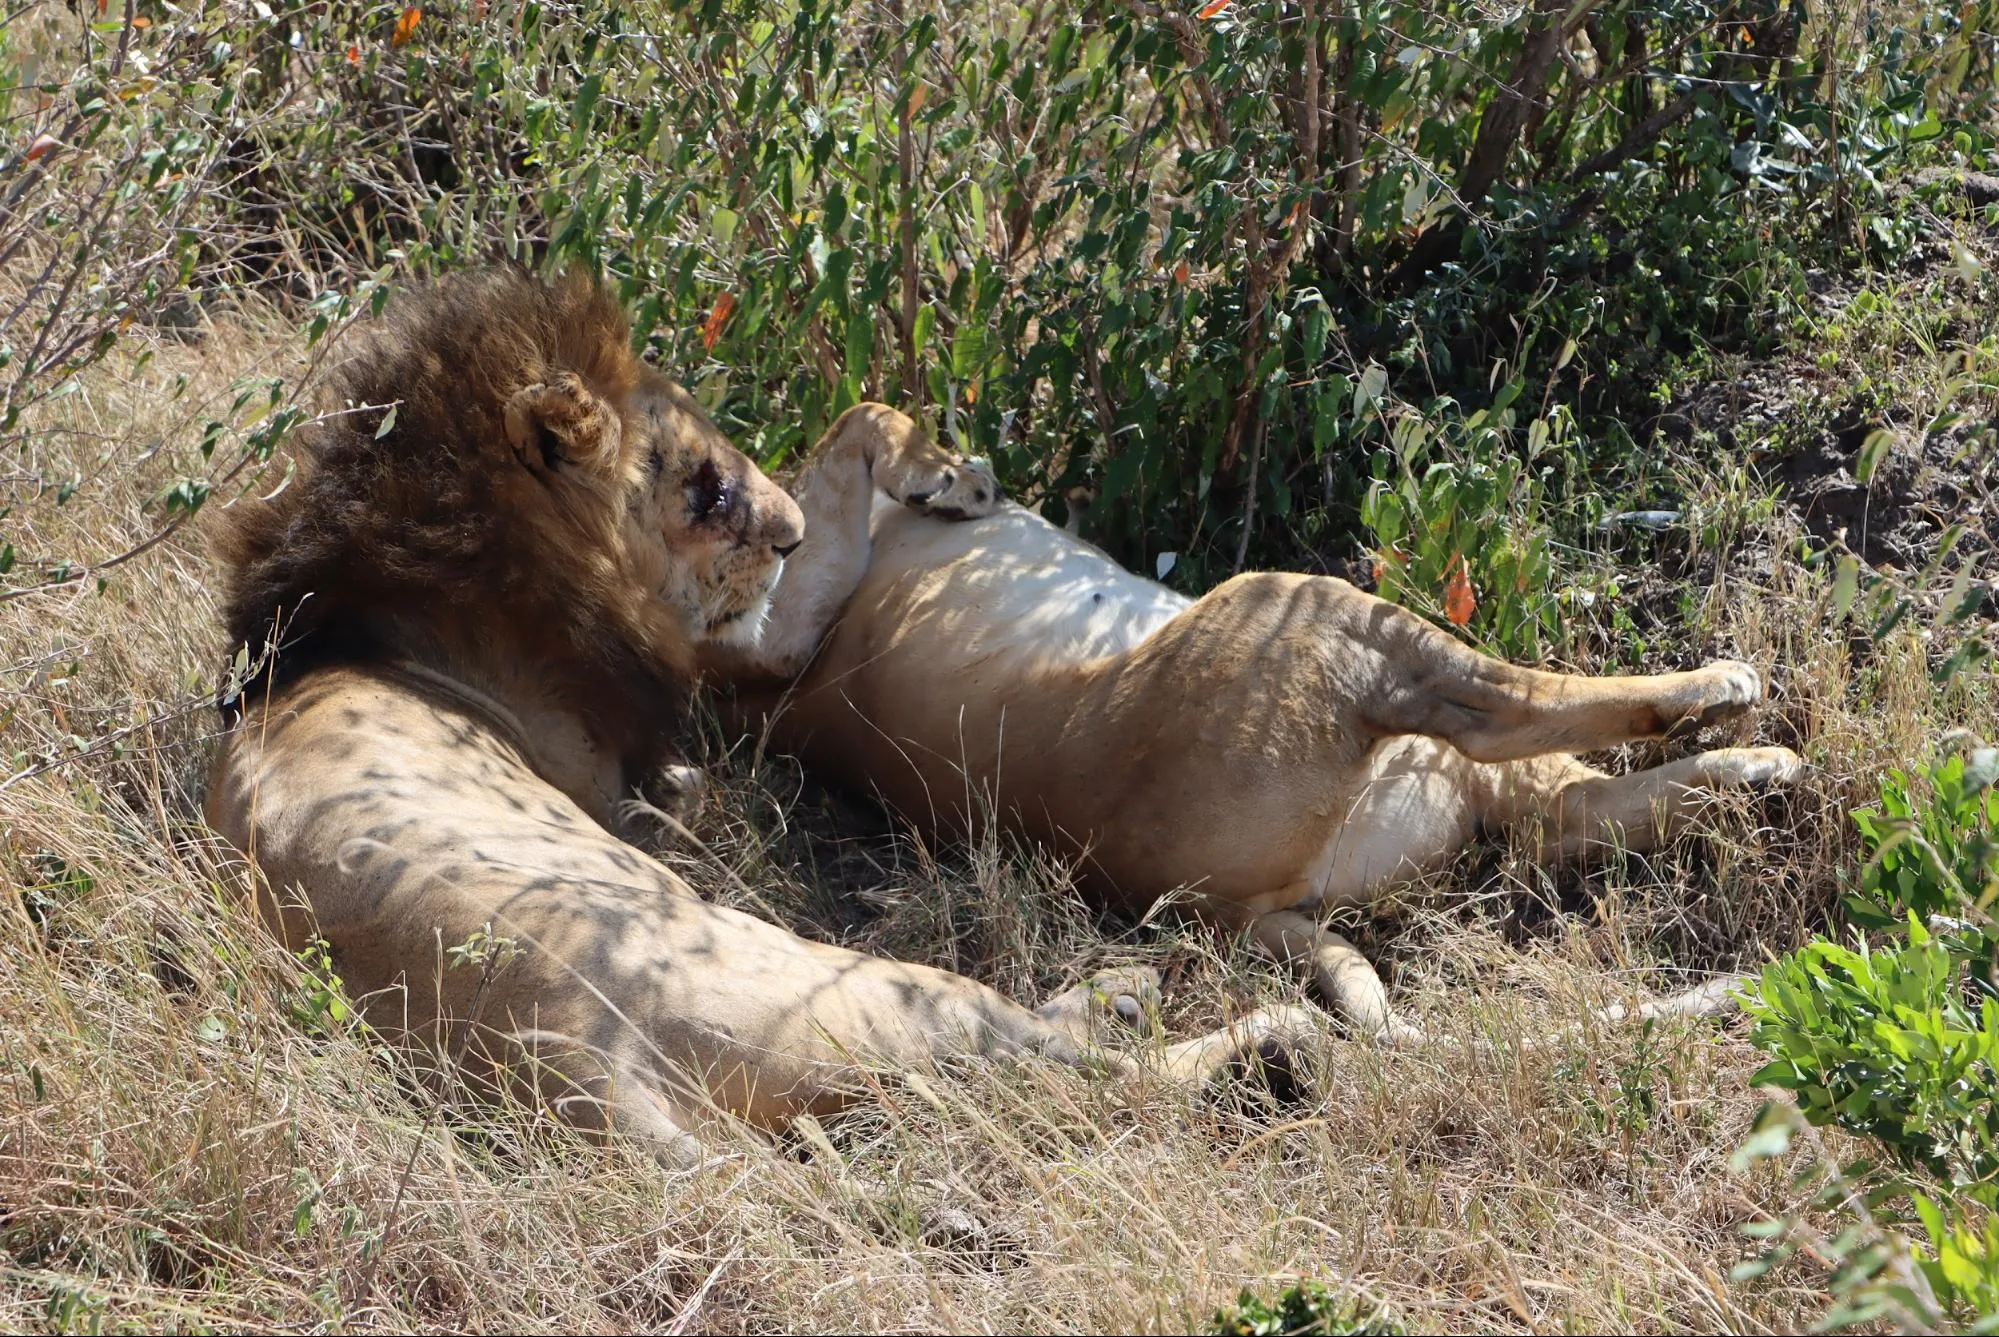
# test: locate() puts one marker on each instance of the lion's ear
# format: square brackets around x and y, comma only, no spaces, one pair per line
[559,423]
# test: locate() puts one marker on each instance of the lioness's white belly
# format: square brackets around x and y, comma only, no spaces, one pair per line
[1021,586]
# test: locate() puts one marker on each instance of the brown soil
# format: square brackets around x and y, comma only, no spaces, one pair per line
[1924,482]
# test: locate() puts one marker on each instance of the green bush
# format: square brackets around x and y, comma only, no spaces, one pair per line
[1881,1042]
[1933,856]
[1460,522]
[1898,1041]
[1204,265]
[1303,1309]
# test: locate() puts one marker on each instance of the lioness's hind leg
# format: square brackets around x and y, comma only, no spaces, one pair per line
[1585,809]
[1409,677]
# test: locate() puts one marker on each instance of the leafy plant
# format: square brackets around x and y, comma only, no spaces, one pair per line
[1302,1308]
[1880,1042]
[1962,1264]
[1459,519]
[319,1005]
[1936,856]
[1193,262]
[1897,1042]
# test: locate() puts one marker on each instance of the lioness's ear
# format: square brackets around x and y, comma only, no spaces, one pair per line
[561,422]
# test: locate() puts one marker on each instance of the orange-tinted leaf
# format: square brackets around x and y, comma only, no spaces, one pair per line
[141,21]
[353,55]
[43,146]
[1459,600]
[972,393]
[406,27]
[1208,11]
[1180,272]
[478,9]
[725,306]
[917,97]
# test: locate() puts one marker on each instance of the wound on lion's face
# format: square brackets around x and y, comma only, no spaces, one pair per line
[707,492]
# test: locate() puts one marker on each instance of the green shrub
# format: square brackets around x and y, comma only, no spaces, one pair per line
[1932,857]
[1962,1265]
[1897,1041]
[1303,1309]
[1460,522]
[1201,264]
[1881,1042]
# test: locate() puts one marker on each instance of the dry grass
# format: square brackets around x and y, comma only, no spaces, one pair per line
[189,1140]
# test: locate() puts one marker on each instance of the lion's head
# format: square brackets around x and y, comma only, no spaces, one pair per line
[702,530]
[502,478]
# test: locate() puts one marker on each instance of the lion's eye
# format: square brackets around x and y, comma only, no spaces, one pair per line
[707,492]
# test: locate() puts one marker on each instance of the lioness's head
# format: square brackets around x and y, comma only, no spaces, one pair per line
[500,475]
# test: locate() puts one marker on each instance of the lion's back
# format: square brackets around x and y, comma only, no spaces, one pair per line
[398,808]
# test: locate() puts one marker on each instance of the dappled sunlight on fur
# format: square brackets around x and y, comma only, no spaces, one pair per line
[1284,746]
[211,1147]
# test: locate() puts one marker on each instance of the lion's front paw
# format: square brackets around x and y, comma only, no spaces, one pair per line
[666,805]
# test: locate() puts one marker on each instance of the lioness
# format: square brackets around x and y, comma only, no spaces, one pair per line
[483,613]
[1282,744]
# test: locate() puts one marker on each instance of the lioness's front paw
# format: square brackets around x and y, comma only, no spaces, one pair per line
[1131,993]
[963,492]
[925,477]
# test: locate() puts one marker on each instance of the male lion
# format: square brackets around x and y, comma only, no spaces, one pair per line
[1284,743]
[483,613]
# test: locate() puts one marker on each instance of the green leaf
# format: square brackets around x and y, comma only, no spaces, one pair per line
[1845,585]
[1373,384]
[1771,1137]
[1872,451]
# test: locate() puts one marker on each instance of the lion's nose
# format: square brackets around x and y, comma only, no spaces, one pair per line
[786,549]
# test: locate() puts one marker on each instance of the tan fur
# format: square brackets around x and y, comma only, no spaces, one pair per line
[480,618]
[1283,743]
